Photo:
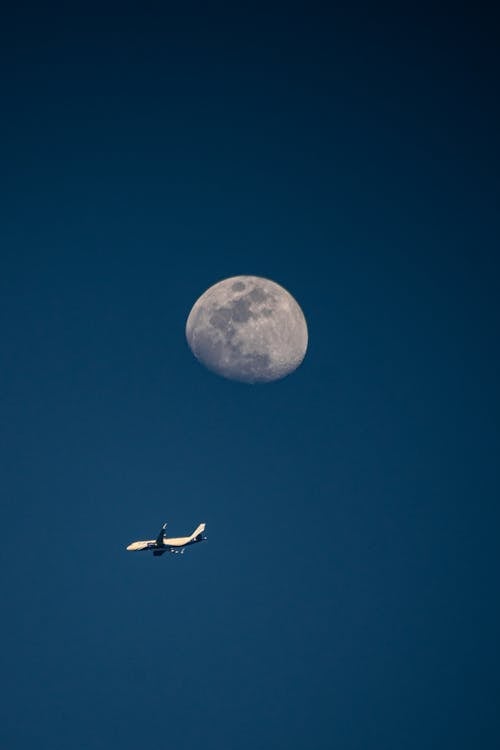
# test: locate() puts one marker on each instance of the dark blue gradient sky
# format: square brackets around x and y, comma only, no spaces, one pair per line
[348,594]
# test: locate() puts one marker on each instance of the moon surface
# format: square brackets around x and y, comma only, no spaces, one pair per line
[247,328]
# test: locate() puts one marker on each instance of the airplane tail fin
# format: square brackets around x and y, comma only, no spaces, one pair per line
[198,532]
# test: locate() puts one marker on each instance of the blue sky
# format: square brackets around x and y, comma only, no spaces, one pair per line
[347,595]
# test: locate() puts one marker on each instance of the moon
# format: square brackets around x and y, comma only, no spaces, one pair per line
[247,328]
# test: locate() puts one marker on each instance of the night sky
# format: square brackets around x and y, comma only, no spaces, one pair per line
[348,594]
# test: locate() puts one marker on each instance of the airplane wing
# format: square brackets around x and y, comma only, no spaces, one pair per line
[161,535]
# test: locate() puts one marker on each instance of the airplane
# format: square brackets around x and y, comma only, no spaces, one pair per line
[176,544]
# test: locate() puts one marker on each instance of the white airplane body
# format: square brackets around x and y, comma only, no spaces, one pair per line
[176,544]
